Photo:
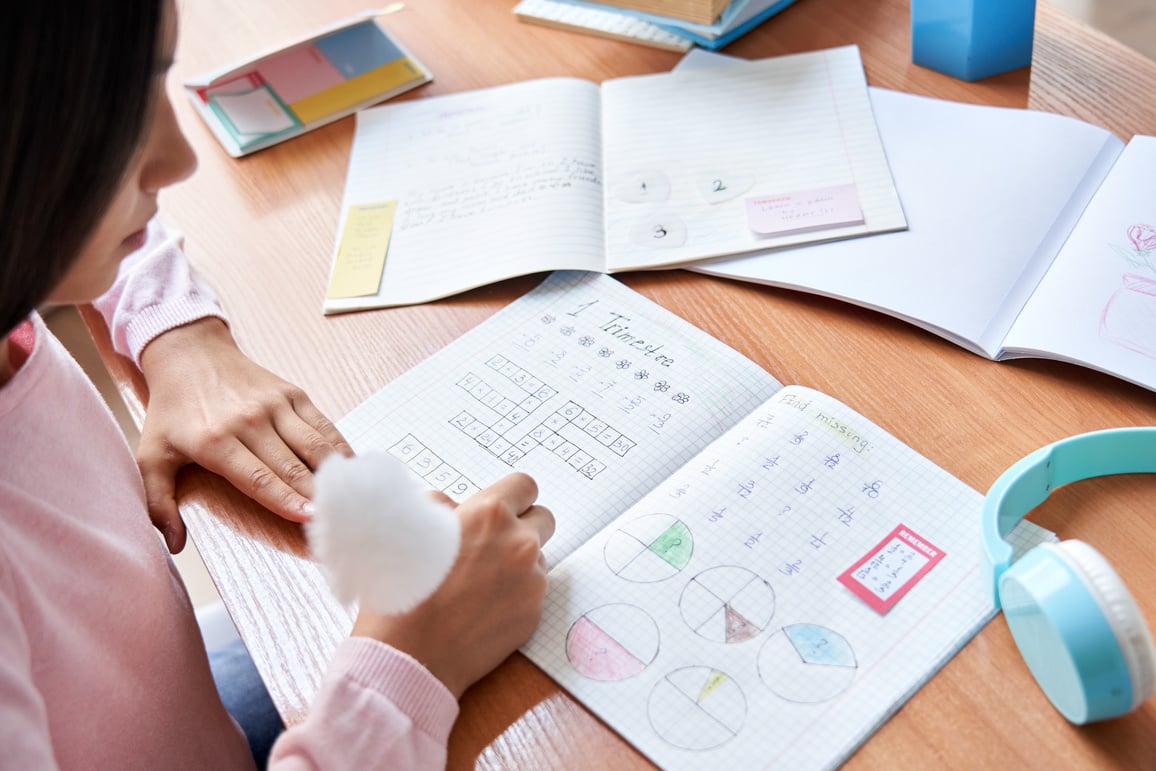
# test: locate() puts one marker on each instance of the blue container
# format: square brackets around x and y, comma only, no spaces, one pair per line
[972,39]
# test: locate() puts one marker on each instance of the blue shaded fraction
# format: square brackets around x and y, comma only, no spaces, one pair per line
[819,645]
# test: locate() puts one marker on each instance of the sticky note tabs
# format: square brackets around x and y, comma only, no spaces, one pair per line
[360,259]
[826,207]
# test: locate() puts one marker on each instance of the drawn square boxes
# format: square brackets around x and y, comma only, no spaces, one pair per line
[592,469]
[545,392]
[474,430]
[462,419]
[540,433]
[502,426]
[609,436]
[565,450]
[530,403]
[555,422]
[596,427]
[407,448]
[424,462]
[480,390]
[570,410]
[469,381]
[518,376]
[621,445]
[443,476]
[486,437]
[517,415]
[505,407]
[553,442]
[580,459]
[497,361]
[499,446]
[526,443]
[492,399]
[583,419]
[512,455]
[533,385]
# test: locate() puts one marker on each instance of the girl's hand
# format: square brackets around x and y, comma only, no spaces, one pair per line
[491,601]
[210,404]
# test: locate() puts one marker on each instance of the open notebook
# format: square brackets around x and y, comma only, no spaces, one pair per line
[449,193]
[743,573]
[1029,234]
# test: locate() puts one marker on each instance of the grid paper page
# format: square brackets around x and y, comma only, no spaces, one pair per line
[708,625]
[700,142]
[582,383]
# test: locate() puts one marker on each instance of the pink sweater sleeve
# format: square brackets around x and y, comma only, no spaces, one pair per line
[377,708]
[156,290]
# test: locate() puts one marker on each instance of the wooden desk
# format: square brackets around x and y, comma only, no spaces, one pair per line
[261,229]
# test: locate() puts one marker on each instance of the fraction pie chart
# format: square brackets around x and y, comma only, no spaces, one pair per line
[697,708]
[727,604]
[807,663]
[612,642]
[648,549]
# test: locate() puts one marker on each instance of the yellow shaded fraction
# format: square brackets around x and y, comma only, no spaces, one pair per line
[360,257]
[714,681]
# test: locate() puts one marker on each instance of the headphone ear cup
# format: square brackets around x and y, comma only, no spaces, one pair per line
[1122,613]
[1079,631]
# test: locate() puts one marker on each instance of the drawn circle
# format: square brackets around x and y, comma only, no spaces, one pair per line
[697,708]
[650,548]
[727,604]
[612,642]
[807,663]
[646,186]
[659,230]
[722,186]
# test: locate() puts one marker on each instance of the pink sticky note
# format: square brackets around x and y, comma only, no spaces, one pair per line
[825,207]
[300,72]
[891,569]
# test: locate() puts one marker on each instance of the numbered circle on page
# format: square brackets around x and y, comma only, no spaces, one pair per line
[643,187]
[720,187]
[661,230]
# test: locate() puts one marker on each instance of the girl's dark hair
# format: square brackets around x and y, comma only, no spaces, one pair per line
[75,81]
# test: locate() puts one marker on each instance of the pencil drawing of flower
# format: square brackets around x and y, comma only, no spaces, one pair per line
[1143,237]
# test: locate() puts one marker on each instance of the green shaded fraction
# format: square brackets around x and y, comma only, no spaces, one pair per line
[674,545]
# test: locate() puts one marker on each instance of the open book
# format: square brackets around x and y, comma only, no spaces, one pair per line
[449,193]
[742,572]
[1029,234]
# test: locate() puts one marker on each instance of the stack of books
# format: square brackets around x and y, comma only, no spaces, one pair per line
[672,24]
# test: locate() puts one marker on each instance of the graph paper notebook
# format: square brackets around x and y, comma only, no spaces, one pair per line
[742,572]
[449,193]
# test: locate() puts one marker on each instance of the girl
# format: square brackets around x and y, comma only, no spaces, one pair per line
[101,661]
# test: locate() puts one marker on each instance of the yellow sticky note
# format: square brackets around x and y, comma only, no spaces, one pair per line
[361,253]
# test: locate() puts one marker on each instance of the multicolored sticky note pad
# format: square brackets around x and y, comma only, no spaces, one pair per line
[307,84]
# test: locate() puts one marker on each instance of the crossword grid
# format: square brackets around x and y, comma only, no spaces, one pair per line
[436,472]
[495,436]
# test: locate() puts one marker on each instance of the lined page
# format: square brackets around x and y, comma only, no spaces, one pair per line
[684,151]
[709,624]
[489,184]
[583,383]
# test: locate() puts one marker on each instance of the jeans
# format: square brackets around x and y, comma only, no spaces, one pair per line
[246,699]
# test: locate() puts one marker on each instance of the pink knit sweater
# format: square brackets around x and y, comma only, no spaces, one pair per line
[101,661]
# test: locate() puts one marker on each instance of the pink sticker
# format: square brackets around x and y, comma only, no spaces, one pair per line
[826,207]
[891,569]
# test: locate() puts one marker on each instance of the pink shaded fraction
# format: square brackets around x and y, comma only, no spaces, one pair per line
[599,656]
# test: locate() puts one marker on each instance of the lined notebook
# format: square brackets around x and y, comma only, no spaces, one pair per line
[742,572]
[449,193]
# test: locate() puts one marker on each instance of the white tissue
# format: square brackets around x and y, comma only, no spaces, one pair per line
[380,538]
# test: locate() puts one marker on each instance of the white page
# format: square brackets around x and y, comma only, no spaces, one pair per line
[1097,304]
[490,184]
[731,643]
[771,127]
[583,383]
[990,193]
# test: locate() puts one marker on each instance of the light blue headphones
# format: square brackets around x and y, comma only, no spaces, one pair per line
[1075,623]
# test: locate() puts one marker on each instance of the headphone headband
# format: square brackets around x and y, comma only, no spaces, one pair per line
[1027,483]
